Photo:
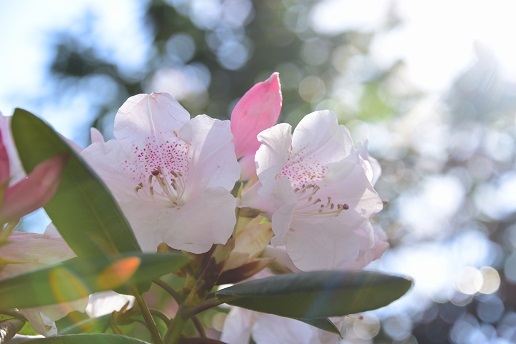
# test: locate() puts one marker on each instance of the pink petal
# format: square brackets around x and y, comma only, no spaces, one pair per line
[34,191]
[258,110]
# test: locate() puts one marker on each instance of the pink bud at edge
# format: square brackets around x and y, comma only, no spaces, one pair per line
[34,191]
[256,111]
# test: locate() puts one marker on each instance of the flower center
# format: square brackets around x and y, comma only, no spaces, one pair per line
[159,170]
[305,174]
[309,204]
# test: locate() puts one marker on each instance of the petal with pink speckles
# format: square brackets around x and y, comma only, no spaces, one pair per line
[164,170]
[313,184]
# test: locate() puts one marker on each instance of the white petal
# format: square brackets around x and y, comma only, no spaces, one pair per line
[272,329]
[237,327]
[200,223]
[212,154]
[106,159]
[319,135]
[272,154]
[145,116]
[322,246]
[284,201]
[96,136]
[280,256]
[347,183]
[107,302]
[370,164]
[373,242]
[33,251]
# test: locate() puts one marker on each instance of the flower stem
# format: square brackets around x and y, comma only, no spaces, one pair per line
[176,327]
[175,295]
[147,316]
[207,304]
[198,326]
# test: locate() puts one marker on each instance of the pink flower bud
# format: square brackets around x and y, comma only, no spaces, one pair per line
[258,110]
[34,191]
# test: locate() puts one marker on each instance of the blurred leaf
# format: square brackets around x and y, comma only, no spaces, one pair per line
[88,339]
[317,294]
[83,210]
[78,322]
[323,324]
[80,277]
[373,104]
[9,327]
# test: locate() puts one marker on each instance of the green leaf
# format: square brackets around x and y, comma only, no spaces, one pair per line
[77,322]
[83,210]
[317,294]
[78,277]
[88,339]
[323,324]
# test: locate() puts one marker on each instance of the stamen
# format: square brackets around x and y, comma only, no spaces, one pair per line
[307,207]
[148,166]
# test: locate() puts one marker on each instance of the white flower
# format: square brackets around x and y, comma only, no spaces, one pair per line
[316,188]
[171,175]
[106,302]
[242,324]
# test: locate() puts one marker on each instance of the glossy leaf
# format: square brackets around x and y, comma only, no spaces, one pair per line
[79,277]
[323,324]
[317,294]
[83,210]
[88,339]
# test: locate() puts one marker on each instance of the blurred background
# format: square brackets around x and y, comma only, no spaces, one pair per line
[430,84]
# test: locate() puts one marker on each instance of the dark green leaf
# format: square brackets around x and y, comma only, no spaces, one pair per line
[323,324]
[83,210]
[79,277]
[317,294]
[88,339]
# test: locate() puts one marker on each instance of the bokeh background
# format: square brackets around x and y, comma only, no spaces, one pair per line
[430,84]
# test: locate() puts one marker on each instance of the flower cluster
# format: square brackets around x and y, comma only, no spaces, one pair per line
[173,178]
[271,199]
[312,189]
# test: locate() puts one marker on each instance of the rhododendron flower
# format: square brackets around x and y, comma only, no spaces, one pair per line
[256,111]
[241,325]
[314,186]
[30,193]
[171,175]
